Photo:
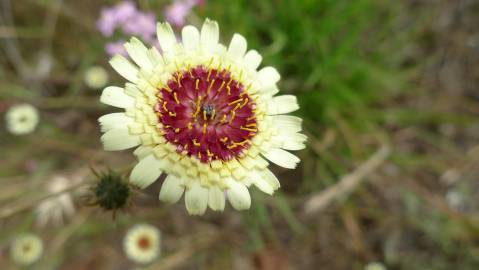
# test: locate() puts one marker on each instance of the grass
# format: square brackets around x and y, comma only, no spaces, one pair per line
[365,73]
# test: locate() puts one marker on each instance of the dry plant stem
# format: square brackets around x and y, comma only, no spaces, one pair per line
[16,207]
[347,183]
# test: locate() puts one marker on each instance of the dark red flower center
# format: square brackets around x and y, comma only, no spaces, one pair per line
[144,243]
[207,114]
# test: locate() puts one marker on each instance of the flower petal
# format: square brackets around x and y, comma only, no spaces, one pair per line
[291,141]
[196,199]
[238,195]
[139,53]
[252,59]
[171,190]
[283,104]
[210,35]
[216,198]
[282,158]
[119,139]
[146,171]
[288,124]
[124,68]
[237,47]
[166,36]
[115,96]
[114,120]
[190,37]
[142,151]
[268,76]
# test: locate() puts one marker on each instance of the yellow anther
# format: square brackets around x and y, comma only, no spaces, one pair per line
[224,139]
[209,75]
[164,106]
[211,85]
[233,115]
[244,103]
[177,130]
[176,98]
[197,83]
[190,126]
[196,143]
[213,113]
[251,125]
[221,86]
[204,115]
[197,108]
[236,107]
[223,120]
[173,114]
[209,153]
[199,155]
[249,129]
[251,118]
[204,128]
[178,79]
[229,89]
[167,88]
[236,101]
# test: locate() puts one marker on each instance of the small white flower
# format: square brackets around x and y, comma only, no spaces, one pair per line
[96,77]
[142,243]
[21,119]
[375,266]
[26,249]
[205,115]
[56,208]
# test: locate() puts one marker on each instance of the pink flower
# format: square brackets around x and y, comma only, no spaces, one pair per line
[143,24]
[178,10]
[115,16]
[117,47]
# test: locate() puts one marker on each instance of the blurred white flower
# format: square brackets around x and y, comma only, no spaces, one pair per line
[26,249]
[56,208]
[142,243]
[21,119]
[375,266]
[96,77]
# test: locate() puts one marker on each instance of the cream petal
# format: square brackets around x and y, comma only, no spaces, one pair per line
[115,96]
[171,190]
[114,120]
[139,53]
[143,151]
[166,36]
[268,76]
[282,158]
[283,104]
[237,47]
[216,198]
[238,195]
[252,59]
[146,171]
[292,141]
[287,124]
[196,199]
[119,139]
[124,68]
[263,186]
[190,37]
[209,35]
[272,180]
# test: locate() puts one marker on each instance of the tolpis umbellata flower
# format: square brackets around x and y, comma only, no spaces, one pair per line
[204,115]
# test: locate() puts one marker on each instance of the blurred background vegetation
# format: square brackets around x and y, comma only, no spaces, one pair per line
[388,91]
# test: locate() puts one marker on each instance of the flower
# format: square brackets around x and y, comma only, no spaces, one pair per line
[375,266]
[204,115]
[56,208]
[178,10]
[142,243]
[143,24]
[96,77]
[115,16]
[22,119]
[111,192]
[26,249]
[113,48]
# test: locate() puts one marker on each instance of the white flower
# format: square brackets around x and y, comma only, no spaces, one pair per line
[26,249]
[203,114]
[56,208]
[96,77]
[142,243]
[21,119]
[375,266]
